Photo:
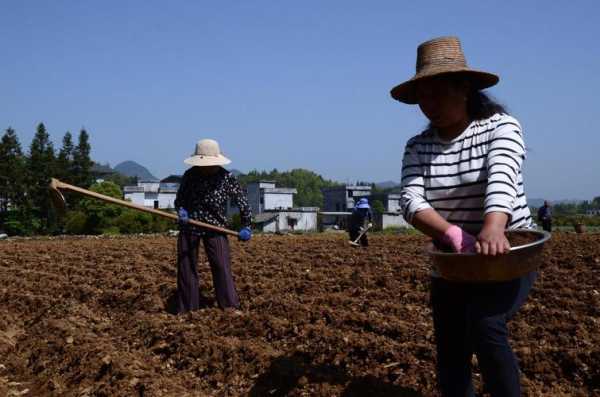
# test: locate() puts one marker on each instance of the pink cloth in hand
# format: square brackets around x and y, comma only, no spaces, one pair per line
[459,240]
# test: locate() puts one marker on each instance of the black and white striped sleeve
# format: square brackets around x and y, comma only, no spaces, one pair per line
[506,152]
[412,194]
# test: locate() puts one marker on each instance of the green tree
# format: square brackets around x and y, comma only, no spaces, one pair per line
[82,163]
[101,215]
[64,162]
[64,172]
[41,165]
[378,207]
[308,184]
[76,222]
[121,180]
[15,211]
[132,221]
[12,172]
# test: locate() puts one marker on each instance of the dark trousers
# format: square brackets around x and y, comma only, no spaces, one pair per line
[364,241]
[216,247]
[547,224]
[471,319]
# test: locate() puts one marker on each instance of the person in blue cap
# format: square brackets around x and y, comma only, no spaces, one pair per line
[361,218]
[545,216]
[202,195]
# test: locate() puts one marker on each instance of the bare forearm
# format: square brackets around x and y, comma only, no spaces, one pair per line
[430,222]
[496,220]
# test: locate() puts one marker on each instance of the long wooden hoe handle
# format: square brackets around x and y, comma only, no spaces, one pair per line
[61,185]
[361,234]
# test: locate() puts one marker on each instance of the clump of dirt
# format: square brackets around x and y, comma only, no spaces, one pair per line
[518,238]
[90,317]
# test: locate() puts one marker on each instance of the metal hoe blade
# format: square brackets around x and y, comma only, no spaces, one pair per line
[56,197]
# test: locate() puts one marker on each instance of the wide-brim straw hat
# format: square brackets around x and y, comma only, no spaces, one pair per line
[207,153]
[442,55]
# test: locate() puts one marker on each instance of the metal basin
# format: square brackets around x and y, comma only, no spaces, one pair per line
[519,261]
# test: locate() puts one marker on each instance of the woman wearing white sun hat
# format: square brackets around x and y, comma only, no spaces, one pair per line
[203,194]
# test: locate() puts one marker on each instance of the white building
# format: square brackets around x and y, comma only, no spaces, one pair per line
[152,194]
[273,209]
[342,198]
[135,194]
[392,202]
[297,219]
[390,220]
[264,196]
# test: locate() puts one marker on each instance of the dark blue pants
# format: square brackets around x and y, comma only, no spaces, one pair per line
[216,247]
[471,319]
[364,240]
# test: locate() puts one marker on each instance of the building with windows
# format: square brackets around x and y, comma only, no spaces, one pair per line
[342,198]
[339,201]
[265,196]
[273,209]
[154,194]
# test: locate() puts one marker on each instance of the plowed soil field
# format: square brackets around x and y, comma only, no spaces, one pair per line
[92,317]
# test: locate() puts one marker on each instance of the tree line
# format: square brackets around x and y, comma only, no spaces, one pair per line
[25,205]
[585,212]
[308,184]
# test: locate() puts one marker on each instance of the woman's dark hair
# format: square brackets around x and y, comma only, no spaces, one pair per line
[481,106]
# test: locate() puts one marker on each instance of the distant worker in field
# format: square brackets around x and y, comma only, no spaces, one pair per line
[202,195]
[360,220]
[545,216]
[462,185]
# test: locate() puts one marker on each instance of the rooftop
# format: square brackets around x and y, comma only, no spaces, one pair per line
[264,217]
[172,179]
[280,190]
[347,187]
[133,189]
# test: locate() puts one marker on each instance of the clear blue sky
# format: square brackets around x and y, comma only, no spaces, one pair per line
[286,84]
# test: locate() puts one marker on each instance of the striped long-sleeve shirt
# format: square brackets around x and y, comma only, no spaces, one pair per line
[473,174]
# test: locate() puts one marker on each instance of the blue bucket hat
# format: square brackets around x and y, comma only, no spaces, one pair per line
[363,203]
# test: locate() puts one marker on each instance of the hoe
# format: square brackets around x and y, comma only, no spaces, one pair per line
[59,203]
[355,242]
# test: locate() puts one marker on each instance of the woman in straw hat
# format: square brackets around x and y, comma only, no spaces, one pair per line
[462,185]
[202,195]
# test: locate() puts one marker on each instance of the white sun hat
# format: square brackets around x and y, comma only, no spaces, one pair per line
[207,153]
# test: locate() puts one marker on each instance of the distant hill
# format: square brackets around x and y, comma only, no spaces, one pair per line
[567,201]
[387,184]
[235,172]
[131,168]
[535,202]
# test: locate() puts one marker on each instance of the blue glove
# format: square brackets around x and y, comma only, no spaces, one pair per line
[245,234]
[182,216]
